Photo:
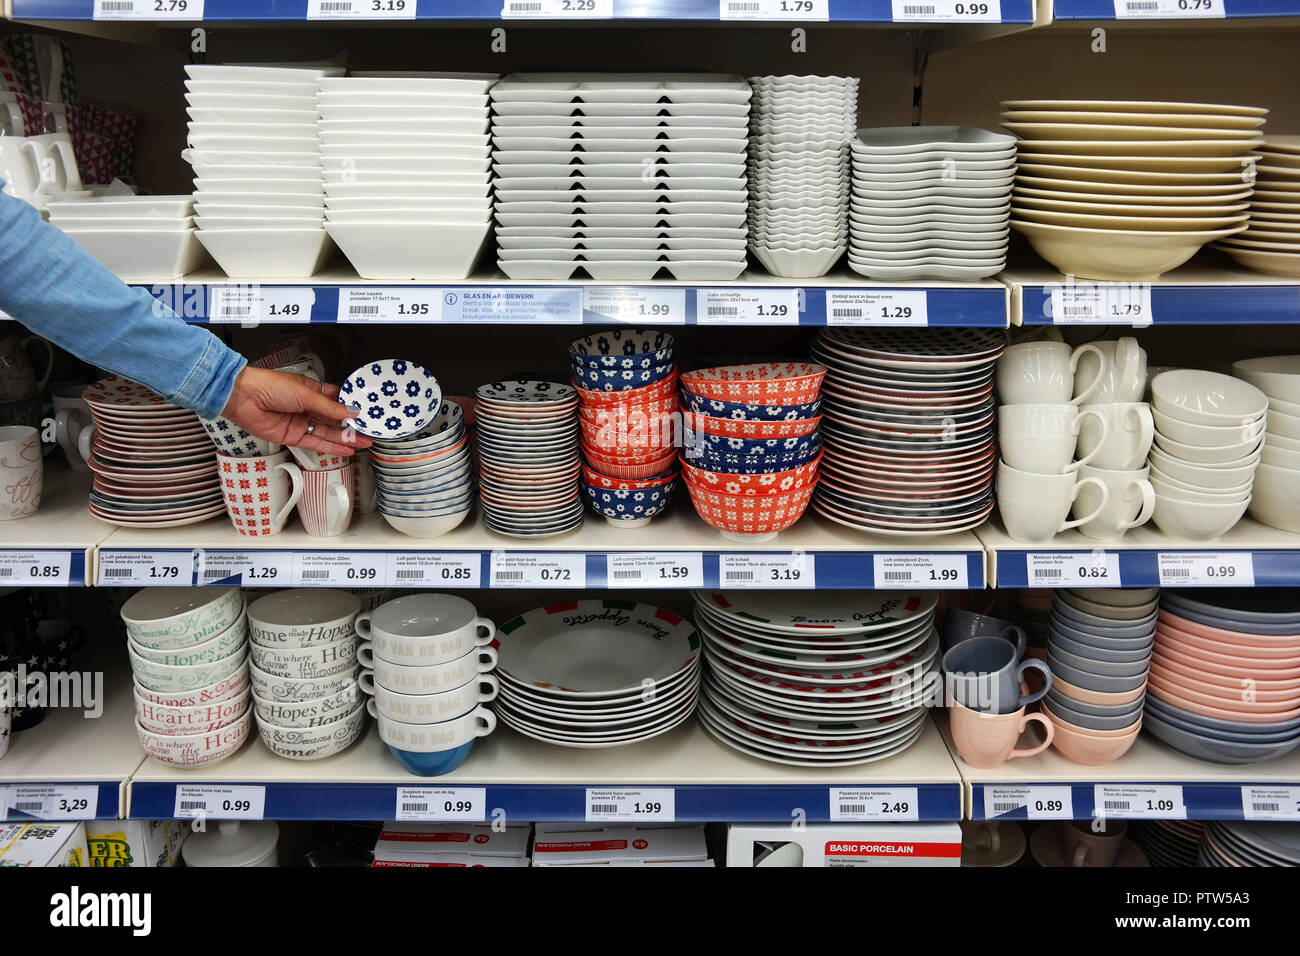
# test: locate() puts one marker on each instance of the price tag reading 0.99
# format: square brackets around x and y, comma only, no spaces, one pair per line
[441,803]
[220,803]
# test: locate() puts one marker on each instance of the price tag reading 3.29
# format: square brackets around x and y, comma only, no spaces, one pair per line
[54,802]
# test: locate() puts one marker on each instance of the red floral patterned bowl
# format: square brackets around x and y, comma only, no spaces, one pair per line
[634,467]
[764,383]
[630,396]
[772,483]
[598,479]
[749,514]
[746,428]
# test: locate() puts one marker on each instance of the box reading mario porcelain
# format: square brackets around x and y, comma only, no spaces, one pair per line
[844,844]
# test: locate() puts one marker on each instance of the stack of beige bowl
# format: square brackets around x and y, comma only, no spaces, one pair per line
[1272,243]
[1276,500]
[1127,190]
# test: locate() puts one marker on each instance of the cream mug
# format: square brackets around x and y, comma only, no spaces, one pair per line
[1042,438]
[1129,504]
[1125,440]
[1034,507]
[1043,373]
[1119,369]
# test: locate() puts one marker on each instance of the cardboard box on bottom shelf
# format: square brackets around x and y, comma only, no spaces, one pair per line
[42,844]
[844,844]
[451,844]
[145,843]
[577,844]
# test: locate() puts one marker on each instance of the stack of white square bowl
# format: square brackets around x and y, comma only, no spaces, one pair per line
[254,145]
[800,128]
[1275,497]
[141,238]
[930,202]
[406,171]
[621,175]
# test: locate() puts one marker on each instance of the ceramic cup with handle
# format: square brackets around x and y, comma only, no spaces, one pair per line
[986,675]
[20,167]
[437,748]
[22,471]
[1043,373]
[71,418]
[1130,501]
[17,376]
[989,740]
[324,498]
[960,625]
[1034,508]
[1115,371]
[57,162]
[259,493]
[1085,846]
[422,629]
[1041,438]
[234,442]
[432,708]
[1117,435]
[430,678]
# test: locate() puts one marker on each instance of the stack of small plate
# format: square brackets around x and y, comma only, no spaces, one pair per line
[527,436]
[1275,495]
[800,128]
[908,428]
[1250,843]
[1272,243]
[423,482]
[829,679]
[1169,843]
[1127,190]
[152,460]
[930,202]
[593,674]
[621,175]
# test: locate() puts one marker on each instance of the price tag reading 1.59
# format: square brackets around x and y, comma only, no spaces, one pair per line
[441,803]
[219,802]
[652,805]
[669,569]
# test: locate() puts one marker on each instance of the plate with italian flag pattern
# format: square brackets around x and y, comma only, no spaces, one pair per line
[821,612]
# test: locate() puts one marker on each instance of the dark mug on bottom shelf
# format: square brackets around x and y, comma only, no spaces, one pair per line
[985,674]
[960,625]
[1086,846]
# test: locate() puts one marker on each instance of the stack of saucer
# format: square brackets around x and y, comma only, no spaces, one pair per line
[1272,243]
[800,128]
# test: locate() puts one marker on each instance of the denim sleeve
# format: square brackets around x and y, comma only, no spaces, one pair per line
[62,293]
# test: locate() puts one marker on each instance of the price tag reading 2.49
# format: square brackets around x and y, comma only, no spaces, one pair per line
[749,306]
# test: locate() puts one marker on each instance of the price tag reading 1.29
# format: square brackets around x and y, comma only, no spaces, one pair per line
[361,9]
[220,803]
[441,803]
[1039,803]
[1073,569]
[59,802]
[631,304]
[920,571]
[1207,569]
[653,805]
[887,307]
[1139,802]
[398,304]
[670,569]
[526,570]
[123,568]
[878,803]
[796,570]
[749,306]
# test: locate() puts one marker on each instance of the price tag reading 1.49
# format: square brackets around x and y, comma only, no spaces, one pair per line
[1039,803]
[653,805]
[250,305]
[441,803]
[796,570]
[1073,569]
[220,803]
[1207,569]
[669,569]
[750,306]
[541,570]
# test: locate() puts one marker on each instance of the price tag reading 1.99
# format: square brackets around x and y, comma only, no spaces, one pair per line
[630,304]
[653,804]
[441,803]
[920,571]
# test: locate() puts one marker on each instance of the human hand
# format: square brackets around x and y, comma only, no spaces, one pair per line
[280,407]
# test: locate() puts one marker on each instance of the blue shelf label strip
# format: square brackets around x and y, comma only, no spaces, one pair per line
[1202,801]
[1141,569]
[1197,9]
[1195,304]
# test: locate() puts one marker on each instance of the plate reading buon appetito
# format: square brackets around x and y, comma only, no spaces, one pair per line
[836,612]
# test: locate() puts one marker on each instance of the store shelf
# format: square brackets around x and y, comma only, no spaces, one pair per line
[529,780]
[813,553]
[1179,12]
[53,547]
[338,295]
[1210,290]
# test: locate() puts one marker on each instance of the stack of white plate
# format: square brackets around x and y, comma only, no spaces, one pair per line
[930,202]
[254,145]
[1272,243]
[825,680]
[800,128]
[406,171]
[907,428]
[1275,497]
[594,674]
[140,238]
[1127,190]
[621,175]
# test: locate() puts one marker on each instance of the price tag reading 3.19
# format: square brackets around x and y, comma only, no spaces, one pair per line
[795,570]
[361,9]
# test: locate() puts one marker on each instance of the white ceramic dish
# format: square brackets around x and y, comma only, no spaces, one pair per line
[268,253]
[139,255]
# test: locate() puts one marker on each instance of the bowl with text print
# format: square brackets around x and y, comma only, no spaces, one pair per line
[397,397]
[316,742]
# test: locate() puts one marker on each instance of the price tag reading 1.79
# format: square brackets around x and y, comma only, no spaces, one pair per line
[441,803]
[123,568]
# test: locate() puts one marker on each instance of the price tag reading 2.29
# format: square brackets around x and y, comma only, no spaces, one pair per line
[538,570]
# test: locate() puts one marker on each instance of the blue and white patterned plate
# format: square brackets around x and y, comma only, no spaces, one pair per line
[618,379]
[516,391]
[398,398]
[623,348]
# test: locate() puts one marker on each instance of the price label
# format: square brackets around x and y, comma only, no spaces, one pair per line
[677,569]
[361,9]
[250,305]
[1207,569]
[629,304]
[796,570]
[441,803]
[220,803]
[1039,803]
[946,11]
[885,804]
[750,306]
[652,805]
[514,305]
[398,304]
[1270,803]
[529,570]
[890,307]
[431,569]
[1106,303]
[1169,9]
[558,10]
[920,571]
[774,9]
[39,568]
[59,802]
[123,568]
[1073,569]
[148,10]
[339,569]
[266,569]
[1137,802]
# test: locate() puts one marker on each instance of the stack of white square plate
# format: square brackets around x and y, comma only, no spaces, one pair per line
[254,145]
[800,129]
[930,202]
[620,175]
[406,171]
[1272,243]
[1126,190]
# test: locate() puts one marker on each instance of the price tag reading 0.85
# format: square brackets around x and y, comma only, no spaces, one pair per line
[36,568]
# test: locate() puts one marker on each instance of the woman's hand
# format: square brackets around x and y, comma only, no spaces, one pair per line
[280,407]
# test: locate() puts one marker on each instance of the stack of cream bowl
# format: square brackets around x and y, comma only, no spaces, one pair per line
[1272,243]
[406,171]
[800,128]
[1276,493]
[1127,190]
[930,202]
[254,145]
[140,238]
[423,483]
[1209,435]
[188,650]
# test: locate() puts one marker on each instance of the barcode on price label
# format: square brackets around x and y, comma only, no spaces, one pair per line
[254,568]
[1270,803]
[339,569]
[1038,802]
[795,570]
[876,803]
[920,571]
[1104,303]
[399,304]
[52,802]
[558,9]
[887,307]
[541,570]
[220,802]
[124,568]
[148,10]
[1139,802]
[1073,569]
[1169,9]
[652,804]
[441,803]
[361,9]
[40,568]
[774,9]
[627,304]
[748,306]
[947,11]
[1207,569]
[414,568]
[250,305]
[678,569]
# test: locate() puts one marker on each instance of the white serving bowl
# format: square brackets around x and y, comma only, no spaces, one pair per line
[198,719]
[1115,254]
[255,174]
[268,253]
[1278,376]
[224,689]
[1195,496]
[256,214]
[1233,492]
[1207,436]
[1207,398]
[468,191]
[428,250]
[1279,457]
[286,689]
[142,255]
[1208,477]
[196,750]
[220,645]
[1237,454]
[1194,521]
[1288,426]
[1276,500]
[426,527]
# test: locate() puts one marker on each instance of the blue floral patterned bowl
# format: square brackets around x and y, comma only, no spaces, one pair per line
[623,348]
[733,445]
[750,464]
[630,507]
[618,379]
[232,440]
[398,398]
[717,408]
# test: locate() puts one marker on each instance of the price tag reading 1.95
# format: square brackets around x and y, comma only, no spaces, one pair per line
[1073,569]
[1207,569]
[441,803]
[748,306]
[879,803]
[670,569]
[1038,802]
[540,570]
[400,304]
[653,805]
[773,571]
[220,803]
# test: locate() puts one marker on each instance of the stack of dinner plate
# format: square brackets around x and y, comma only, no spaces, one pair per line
[1272,243]
[1250,843]
[1168,843]
[907,428]
[822,679]
[621,175]
[1127,190]
[930,202]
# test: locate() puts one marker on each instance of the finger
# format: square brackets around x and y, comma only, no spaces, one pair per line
[315,443]
[322,406]
[329,391]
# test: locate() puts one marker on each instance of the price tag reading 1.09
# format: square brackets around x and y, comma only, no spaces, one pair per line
[250,305]
[920,571]
[1139,802]
[431,569]
[879,803]
[749,306]
[1207,569]
[797,570]
[361,9]
[1073,569]
[441,803]
[398,304]
[888,307]
[542,570]
[1039,803]
[671,569]
[59,802]
[36,568]
[145,569]
[148,10]
[220,803]
[630,304]
[653,805]
[947,11]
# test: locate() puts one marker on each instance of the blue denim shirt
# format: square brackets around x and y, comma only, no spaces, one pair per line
[62,293]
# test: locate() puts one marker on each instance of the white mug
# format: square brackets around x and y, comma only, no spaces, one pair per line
[440,736]
[259,493]
[430,679]
[1041,438]
[421,629]
[1034,507]
[22,471]
[57,162]
[1125,440]
[1043,373]
[324,498]
[1130,502]
[71,417]
[20,167]
[432,708]
[1119,369]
